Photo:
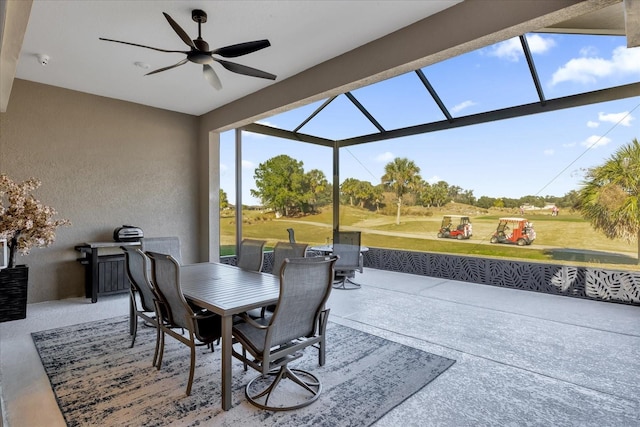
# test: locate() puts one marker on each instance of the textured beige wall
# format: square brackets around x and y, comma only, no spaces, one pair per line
[102,163]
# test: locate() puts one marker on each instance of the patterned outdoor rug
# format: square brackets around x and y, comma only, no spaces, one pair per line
[99,380]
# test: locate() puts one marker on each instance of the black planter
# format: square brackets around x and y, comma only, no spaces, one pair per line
[13,293]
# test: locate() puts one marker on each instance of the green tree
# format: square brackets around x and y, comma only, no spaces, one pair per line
[281,184]
[319,190]
[401,176]
[349,189]
[440,193]
[224,200]
[610,196]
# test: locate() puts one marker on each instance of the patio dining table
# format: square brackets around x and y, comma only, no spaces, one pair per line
[227,290]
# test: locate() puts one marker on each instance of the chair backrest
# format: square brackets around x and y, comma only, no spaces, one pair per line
[305,285]
[251,254]
[137,266]
[292,236]
[346,244]
[284,250]
[163,245]
[166,278]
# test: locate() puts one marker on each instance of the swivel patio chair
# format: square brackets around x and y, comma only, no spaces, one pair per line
[142,295]
[346,244]
[251,254]
[282,251]
[205,327]
[299,321]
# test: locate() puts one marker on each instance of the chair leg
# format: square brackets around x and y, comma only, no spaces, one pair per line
[132,314]
[157,350]
[193,365]
[134,328]
[159,364]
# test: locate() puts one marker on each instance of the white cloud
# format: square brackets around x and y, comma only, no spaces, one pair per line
[592,124]
[511,49]
[569,145]
[549,152]
[595,141]
[623,118]
[246,164]
[433,179]
[462,106]
[590,69]
[588,51]
[539,44]
[385,157]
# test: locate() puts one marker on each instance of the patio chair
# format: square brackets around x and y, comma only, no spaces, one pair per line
[205,327]
[346,244]
[163,245]
[282,251]
[142,295]
[251,254]
[299,321]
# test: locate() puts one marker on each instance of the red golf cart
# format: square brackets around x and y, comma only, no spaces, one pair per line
[455,227]
[517,231]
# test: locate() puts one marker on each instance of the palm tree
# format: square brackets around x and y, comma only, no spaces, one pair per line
[401,176]
[610,197]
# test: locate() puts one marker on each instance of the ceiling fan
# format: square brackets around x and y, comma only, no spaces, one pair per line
[200,53]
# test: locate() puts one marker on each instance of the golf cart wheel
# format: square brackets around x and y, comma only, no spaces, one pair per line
[494,239]
[440,235]
[521,242]
[460,236]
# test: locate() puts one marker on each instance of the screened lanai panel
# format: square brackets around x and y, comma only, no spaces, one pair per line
[583,63]
[399,102]
[339,120]
[290,120]
[486,79]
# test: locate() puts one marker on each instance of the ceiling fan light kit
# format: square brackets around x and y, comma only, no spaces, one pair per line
[200,53]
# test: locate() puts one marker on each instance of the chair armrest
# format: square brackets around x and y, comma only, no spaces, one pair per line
[252,322]
[203,315]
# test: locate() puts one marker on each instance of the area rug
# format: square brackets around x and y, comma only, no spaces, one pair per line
[98,380]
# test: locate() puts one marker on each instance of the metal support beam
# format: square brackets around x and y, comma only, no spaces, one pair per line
[320,108]
[434,95]
[604,95]
[238,188]
[364,111]
[336,186]
[286,134]
[532,69]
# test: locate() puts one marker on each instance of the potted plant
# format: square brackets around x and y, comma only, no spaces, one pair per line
[25,223]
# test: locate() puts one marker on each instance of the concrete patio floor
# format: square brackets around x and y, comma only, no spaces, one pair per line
[522,358]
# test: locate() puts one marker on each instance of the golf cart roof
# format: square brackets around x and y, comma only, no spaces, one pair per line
[513,219]
[456,216]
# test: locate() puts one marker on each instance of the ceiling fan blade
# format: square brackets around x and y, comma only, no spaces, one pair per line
[184,61]
[147,47]
[211,76]
[240,49]
[178,29]
[243,69]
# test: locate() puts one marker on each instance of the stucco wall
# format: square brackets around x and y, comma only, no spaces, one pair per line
[102,163]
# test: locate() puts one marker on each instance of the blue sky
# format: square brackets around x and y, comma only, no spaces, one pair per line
[542,154]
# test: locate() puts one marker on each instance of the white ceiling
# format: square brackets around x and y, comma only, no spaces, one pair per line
[302,34]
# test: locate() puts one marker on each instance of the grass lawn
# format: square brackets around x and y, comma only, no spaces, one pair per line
[565,239]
